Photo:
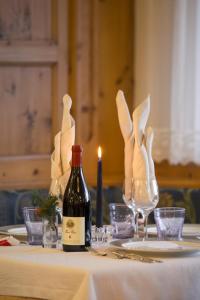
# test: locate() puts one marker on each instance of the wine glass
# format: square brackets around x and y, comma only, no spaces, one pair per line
[58,193]
[145,197]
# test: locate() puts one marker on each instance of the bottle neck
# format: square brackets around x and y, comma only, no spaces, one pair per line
[76,159]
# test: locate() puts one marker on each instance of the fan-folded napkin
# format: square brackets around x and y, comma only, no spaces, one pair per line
[138,162]
[61,157]
[126,126]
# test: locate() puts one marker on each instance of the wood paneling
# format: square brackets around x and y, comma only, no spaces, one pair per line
[29,171]
[178,175]
[84,48]
[114,58]
[25,20]
[25,113]
[100,64]
[45,47]
[33,79]
[17,298]
[28,53]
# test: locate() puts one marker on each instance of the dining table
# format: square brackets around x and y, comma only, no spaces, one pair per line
[35,272]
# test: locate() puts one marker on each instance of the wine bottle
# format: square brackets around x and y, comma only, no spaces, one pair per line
[76,227]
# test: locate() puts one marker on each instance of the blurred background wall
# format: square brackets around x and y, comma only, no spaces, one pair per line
[50,48]
[89,49]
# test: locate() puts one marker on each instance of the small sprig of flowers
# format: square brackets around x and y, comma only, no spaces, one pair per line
[46,205]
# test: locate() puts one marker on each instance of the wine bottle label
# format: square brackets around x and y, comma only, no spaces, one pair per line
[73,231]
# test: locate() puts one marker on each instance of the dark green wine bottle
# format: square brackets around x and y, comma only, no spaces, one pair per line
[76,227]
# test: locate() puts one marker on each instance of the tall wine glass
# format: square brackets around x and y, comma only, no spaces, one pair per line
[145,197]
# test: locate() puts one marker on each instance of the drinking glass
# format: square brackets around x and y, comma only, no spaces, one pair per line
[169,222]
[121,219]
[50,231]
[101,236]
[33,223]
[145,197]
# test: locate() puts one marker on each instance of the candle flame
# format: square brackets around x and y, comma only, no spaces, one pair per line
[99,152]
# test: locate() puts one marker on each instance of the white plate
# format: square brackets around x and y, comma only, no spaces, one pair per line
[188,230]
[158,248]
[18,230]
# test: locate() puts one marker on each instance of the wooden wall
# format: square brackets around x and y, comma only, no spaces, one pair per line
[101,62]
[48,48]
[33,78]
[180,176]
[81,47]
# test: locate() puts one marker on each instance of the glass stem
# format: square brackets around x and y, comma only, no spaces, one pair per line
[136,213]
[145,216]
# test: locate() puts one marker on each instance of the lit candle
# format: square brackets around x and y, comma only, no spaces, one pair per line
[99,204]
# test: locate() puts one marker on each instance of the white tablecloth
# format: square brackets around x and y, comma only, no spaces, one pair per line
[53,274]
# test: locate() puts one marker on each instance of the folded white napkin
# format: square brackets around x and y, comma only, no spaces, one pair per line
[138,164]
[126,126]
[149,144]
[143,165]
[140,157]
[61,157]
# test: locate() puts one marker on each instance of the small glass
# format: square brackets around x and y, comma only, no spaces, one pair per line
[122,221]
[101,236]
[50,231]
[169,222]
[33,223]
